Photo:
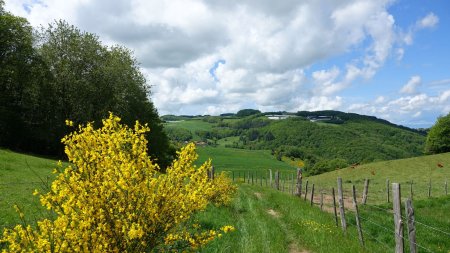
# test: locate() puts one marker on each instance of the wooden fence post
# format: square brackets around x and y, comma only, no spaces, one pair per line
[252,178]
[411,190]
[387,189]
[270,171]
[429,188]
[321,200]
[298,190]
[366,190]
[293,183]
[396,200]
[239,176]
[358,223]
[341,204]
[233,175]
[261,181]
[312,195]
[334,207]
[306,190]
[446,188]
[411,226]
[277,180]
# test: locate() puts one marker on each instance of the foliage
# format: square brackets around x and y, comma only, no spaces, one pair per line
[178,134]
[247,112]
[438,139]
[19,67]
[327,165]
[111,198]
[61,72]
[359,139]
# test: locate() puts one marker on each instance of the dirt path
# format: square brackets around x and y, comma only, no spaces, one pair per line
[293,246]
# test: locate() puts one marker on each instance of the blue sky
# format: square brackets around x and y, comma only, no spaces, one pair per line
[384,58]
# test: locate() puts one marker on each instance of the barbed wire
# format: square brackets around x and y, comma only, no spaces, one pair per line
[433,228]
[376,224]
[379,208]
[374,238]
[392,231]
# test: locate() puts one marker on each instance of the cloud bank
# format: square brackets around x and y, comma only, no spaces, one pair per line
[211,57]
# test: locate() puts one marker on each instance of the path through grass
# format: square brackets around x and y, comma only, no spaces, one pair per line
[270,221]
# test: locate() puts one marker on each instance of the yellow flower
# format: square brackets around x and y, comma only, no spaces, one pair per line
[112,194]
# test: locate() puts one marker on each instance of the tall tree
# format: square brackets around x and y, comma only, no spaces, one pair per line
[17,61]
[90,79]
[438,139]
[63,73]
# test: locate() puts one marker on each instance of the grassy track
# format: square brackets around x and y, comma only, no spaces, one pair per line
[270,221]
[20,175]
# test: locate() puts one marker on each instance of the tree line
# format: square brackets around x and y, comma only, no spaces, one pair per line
[60,72]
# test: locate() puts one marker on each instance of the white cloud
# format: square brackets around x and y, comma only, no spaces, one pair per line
[429,21]
[270,49]
[411,86]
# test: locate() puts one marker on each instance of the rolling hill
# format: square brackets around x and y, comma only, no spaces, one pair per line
[337,140]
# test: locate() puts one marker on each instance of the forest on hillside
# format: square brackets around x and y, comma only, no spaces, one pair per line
[322,146]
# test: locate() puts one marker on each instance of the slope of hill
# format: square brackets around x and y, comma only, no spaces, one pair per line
[324,145]
[420,172]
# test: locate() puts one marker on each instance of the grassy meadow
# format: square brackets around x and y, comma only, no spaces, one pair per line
[417,170]
[240,160]
[20,175]
[267,220]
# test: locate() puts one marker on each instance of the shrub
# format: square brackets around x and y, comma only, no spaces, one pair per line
[112,197]
[438,139]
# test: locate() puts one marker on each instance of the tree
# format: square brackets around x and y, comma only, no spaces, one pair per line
[247,112]
[68,74]
[19,62]
[438,138]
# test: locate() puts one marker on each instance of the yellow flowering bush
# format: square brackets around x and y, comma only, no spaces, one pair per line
[223,189]
[112,198]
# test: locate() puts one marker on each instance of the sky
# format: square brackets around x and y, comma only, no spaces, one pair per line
[386,58]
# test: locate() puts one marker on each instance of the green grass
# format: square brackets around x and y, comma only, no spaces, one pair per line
[295,225]
[227,141]
[418,170]
[20,175]
[230,159]
[191,125]
[431,212]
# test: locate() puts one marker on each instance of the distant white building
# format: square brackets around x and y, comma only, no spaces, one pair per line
[279,117]
[319,118]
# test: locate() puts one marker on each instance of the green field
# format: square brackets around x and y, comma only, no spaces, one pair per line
[192,125]
[20,175]
[418,170]
[275,221]
[230,159]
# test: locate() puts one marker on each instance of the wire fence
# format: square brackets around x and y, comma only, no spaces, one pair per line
[288,184]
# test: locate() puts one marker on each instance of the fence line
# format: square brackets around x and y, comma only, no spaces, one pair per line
[374,238]
[290,181]
[433,228]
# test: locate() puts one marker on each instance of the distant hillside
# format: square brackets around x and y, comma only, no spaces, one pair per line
[416,170]
[323,140]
